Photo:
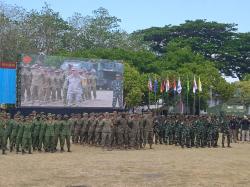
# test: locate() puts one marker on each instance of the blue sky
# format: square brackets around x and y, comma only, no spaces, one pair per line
[141,14]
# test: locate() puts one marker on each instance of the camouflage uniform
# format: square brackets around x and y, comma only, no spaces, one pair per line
[122,132]
[98,132]
[117,86]
[148,131]
[2,131]
[26,78]
[35,133]
[65,133]
[43,126]
[93,85]
[225,132]
[77,129]
[106,133]
[14,133]
[19,135]
[58,81]
[49,136]
[26,139]
[91,131]
[58,128]
[37,81]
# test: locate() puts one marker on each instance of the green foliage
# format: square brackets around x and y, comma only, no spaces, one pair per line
[198,47]
[218,42]
[133,86]
[244,87]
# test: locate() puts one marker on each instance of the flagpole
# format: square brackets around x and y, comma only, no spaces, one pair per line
[155,103]
[180,101]
[162,101]
[187,95]
[194,105]
[187,104]
[148,99]
[199,103]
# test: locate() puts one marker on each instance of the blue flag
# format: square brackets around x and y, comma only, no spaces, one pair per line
[155,86]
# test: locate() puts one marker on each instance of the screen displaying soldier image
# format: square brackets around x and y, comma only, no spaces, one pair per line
[71,82]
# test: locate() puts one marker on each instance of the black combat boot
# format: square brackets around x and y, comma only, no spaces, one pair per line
[17,150]
[69,150]
[3,152]
[62,150]
[23,152]
[30,151]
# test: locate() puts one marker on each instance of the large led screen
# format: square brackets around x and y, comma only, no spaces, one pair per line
[58,81]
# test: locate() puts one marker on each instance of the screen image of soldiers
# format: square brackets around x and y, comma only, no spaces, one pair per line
[53,85]
[93,80]
[88,86]
[65,76]
[117,87]
[37,81]
[82,73]
[74,92]
[58,84]
[48,85]
[26,78]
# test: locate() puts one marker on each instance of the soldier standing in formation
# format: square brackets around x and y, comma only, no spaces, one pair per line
[111,131]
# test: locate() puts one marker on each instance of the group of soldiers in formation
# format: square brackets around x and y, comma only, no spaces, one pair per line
[45,85]
[39,131]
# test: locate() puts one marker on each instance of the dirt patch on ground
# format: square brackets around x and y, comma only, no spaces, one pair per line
[162,166]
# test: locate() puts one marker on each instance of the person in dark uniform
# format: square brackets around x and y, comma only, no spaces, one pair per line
[117,87]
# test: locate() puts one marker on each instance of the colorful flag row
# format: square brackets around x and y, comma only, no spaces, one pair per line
[165,85]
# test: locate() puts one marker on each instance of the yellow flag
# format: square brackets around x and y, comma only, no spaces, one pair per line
[199,85]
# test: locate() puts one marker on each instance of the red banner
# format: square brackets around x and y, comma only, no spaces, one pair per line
[8,65]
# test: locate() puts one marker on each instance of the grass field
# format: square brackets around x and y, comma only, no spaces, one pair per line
[161,166]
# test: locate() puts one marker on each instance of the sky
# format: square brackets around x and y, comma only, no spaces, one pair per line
[141,14]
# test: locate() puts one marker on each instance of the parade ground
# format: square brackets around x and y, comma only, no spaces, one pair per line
[161,166]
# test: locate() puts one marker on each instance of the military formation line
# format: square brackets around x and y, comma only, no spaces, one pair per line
[41,132]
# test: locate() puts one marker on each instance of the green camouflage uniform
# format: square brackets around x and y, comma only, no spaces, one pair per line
[43,126]
[26,139]
[49,136]
[65,134]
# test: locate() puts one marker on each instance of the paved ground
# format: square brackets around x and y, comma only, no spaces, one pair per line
[103,99]
[162,166]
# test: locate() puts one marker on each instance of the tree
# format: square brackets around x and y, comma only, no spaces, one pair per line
[48,34]
[244,87]
[133,86]
[217,42]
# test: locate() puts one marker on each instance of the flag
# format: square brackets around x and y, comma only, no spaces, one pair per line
[194,86]
[179,88]
[167,87]
[162,86]
[174,85]
[188,88]
[150,84]
[155,85]
[199,85]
